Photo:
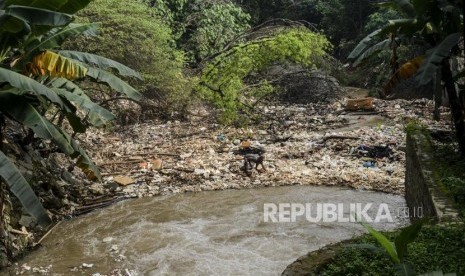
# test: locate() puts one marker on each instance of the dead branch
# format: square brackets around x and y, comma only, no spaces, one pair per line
[332,137]
[46,234]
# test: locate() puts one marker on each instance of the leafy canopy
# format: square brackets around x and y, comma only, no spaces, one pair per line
[223,79]
[202,28]
[134,35]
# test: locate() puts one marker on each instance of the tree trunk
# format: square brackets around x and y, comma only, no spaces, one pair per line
[456,106]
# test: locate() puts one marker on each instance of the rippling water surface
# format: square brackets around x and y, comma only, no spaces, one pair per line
[207,233]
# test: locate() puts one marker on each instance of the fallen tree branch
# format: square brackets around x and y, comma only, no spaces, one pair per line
[46,234]
[89,208]
[331,137]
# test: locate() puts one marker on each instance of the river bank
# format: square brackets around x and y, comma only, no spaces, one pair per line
[313,144]
[305,145]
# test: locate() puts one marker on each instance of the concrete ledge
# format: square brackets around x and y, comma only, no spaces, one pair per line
[422,193]
[307,265]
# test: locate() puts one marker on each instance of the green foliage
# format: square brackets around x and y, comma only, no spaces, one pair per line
[343,21]
[456,188]
[436,248]
[30,84]
[172,11]
[378,19]
[414,126]
[397,251]
[264,10]
[134,35]
[21,189]
[449,174]
[202,28]
[222,80]
[435,57]
[217,25]
[385,243]
[424,21]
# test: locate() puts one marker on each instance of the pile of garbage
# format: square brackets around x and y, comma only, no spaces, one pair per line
[313,144]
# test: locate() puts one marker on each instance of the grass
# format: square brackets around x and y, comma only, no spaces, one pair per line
[438,247]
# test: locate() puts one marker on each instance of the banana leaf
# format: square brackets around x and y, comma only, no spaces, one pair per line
[384,242]
[53,5]
[14,25]
[378,47]
[364,44]
[74,6]
[37,16]
[430,65]
[54,38]
[54,65]
[101,62]
[98,116]
[114,82]
[22,111]
[26,84]
[21,189]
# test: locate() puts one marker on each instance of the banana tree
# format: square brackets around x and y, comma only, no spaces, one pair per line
[436,25]
[35,75]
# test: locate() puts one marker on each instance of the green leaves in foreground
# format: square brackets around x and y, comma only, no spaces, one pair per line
[385,243]
[21,189]
[97,115]
[27,84]
[22,111]
[101,62]
[397,250]
[114,82]
[32,79]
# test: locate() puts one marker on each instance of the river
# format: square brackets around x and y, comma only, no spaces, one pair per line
[207,233]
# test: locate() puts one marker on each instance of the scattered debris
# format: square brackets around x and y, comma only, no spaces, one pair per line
[369,164]
[107,239]
[365,104]
[324,145]
[84,265]
[124,180]
[312,144]
[157,164]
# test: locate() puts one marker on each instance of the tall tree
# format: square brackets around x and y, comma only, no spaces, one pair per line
[202,27]
[135,35]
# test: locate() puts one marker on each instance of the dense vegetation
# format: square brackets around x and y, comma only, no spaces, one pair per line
[36,77]
[222,80]
[133,35]
[437,248]
[61,72]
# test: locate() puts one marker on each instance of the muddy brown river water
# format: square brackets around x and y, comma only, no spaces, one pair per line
[207,233]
